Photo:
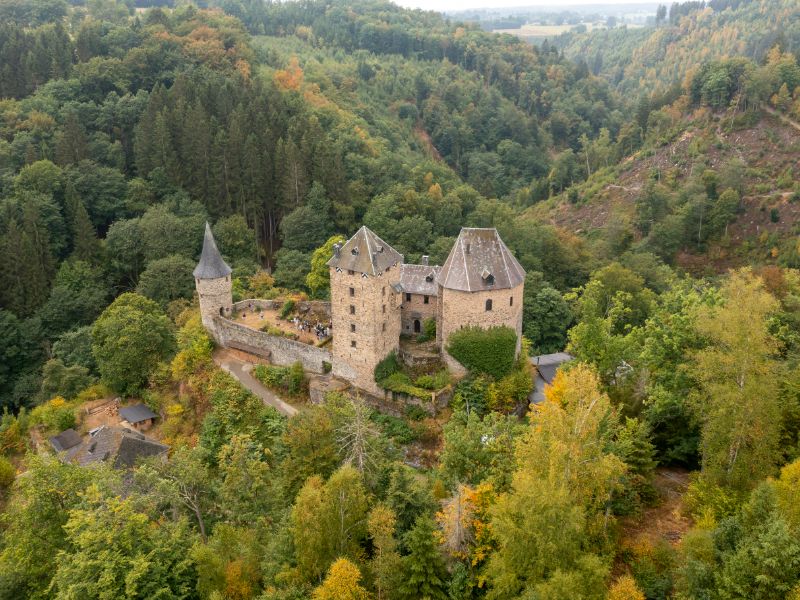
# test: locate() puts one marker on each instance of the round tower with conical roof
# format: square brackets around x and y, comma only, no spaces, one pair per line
[212,278]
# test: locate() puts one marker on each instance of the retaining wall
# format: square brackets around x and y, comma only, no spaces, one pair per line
[280,351]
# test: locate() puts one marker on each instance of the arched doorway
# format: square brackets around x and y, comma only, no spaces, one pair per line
[417,326]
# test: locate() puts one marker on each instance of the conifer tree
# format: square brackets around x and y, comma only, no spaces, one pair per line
[423,568]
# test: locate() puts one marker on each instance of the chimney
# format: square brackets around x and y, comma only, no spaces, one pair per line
[425,259]
[336,249]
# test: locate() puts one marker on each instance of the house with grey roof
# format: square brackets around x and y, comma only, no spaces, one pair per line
[120,447]
[66,443]
[138,416]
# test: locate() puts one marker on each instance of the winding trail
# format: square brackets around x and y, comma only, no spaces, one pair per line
[781,116]
[241,371]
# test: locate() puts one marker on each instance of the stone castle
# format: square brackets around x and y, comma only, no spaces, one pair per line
[376,297]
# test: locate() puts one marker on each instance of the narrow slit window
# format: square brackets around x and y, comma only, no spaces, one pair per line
[489,304]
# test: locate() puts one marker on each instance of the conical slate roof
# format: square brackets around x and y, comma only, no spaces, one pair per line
[480,261]
[211,265]
[366,253]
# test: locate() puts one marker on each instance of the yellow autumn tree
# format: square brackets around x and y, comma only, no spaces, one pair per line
[341,583]
[625,588]
[561,491]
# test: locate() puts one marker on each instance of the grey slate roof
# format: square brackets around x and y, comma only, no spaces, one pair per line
[211,265]
[136,413]
[419,279]
[480,261]
[546,367]
[65,440]
[366,253]
[120,446]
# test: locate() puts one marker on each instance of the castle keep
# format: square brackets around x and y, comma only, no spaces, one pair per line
[376,297]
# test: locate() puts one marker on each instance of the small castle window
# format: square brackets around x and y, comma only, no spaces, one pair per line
[383,326]
[352,309]
[352,292]
[511,301]
[352,327]
[425,299]
[352,343]
[408,297]
[489,304]
[383,291]
[384,309]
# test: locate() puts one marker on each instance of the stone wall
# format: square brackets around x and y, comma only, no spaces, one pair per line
[415,309]
[320,307]
[366,324]
[281,351]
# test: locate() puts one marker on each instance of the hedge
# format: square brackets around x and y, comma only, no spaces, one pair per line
[484,351]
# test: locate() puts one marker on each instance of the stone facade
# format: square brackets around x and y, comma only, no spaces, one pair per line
[376,297]
[365,311]
[494,308]
[415,310]
[216,300]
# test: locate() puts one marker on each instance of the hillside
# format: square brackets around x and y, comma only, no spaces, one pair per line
[651,59]
[763,229]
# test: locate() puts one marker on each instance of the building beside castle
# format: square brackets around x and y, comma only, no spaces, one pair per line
[376,297]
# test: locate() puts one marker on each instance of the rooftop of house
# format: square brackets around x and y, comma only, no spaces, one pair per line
[136,413]
[119,446]
[546,367]
[211,265]
[65,440]
[480,261]
[365,253]
[419,279]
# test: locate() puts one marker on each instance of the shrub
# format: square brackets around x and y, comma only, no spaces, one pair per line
[415,413]
[511,391]
[434,382]
[7,474]
[395,428]
[286,309]
[774,215]
[484,351]
[387,367]
[401,383]
[289,380]
[428,331]
[55,415]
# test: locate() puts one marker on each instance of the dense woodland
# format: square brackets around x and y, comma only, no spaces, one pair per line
[123,130]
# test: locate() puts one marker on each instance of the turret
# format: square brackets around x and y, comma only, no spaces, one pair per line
[212,278]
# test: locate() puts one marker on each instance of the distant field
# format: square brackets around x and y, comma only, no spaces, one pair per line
[540,32]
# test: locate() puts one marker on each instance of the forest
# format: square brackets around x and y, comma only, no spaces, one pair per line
[646,179]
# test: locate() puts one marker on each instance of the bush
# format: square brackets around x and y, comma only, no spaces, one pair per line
[415,413]
[7,474]
[55,415]
[428,331]
[434,382]
[401,383]
[395,428]
[774,215]
[387,367]
[484,351]
[289,380]
[286,309]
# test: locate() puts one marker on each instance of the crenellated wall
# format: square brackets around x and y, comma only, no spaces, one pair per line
[280,351]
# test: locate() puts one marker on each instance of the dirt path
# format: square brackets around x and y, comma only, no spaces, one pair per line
[241,371]
[667,520]
[782,117]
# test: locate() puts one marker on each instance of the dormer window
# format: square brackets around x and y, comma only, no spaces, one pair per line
[354,251]
[487,277]
[429,277]
[380,248]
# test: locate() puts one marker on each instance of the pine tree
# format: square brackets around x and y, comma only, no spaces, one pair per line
[423,568]
[85,245]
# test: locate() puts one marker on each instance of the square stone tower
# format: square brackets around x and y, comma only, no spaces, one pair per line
[481,283]
[365,307]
